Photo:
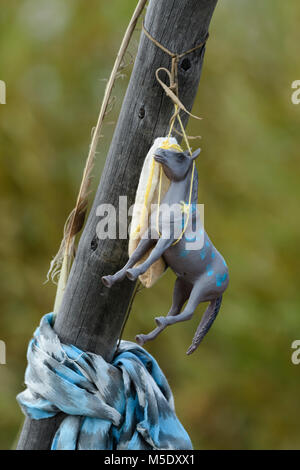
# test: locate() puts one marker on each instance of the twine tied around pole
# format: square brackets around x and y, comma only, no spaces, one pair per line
[172,90]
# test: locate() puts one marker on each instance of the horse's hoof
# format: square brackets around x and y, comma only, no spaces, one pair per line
[140,339]
[107,280]
[191,349]
[160,321]
[131,274]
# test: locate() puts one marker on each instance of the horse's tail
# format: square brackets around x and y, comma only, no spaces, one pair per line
[207,320]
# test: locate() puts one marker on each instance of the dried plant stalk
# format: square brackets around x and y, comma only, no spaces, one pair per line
[61,264]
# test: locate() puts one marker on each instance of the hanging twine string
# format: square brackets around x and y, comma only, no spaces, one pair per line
[137,288]
[172,89]
[172,92]
[165,145]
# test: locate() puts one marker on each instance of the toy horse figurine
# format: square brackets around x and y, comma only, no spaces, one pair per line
[202,274]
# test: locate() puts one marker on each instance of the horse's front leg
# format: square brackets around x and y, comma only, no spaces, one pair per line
[155,254]
[144,245]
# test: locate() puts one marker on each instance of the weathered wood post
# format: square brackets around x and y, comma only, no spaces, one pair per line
[91,315]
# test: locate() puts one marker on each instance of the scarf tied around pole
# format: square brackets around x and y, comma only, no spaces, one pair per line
[123,405]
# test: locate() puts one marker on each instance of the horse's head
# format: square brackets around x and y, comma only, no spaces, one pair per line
[175,164]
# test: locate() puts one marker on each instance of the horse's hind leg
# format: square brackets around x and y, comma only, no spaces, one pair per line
[198,294]
[181,293]
[144,245]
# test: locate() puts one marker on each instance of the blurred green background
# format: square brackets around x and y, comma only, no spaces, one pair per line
[240,390]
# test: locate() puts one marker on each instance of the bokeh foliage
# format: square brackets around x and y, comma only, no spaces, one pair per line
[240,389]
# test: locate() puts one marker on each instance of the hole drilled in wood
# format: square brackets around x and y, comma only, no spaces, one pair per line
[185,64]
[142,112]
[94,244]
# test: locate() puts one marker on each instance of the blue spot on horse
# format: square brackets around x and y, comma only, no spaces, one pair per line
[209,270]
[183,253]
[220,278]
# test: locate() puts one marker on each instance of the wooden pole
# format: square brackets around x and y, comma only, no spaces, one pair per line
[91,315]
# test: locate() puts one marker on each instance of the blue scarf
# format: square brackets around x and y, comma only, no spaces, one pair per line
[126,404]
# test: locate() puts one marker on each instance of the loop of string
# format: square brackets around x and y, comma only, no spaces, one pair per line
[172,89]
[191,185]
[172,92]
